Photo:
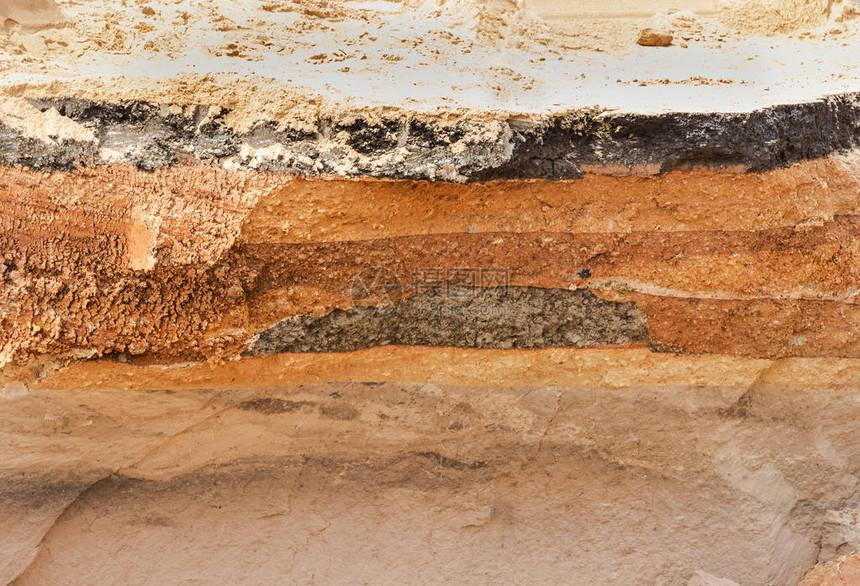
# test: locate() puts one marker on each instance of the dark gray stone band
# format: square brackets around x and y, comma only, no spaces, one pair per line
[502,317]
[152,136]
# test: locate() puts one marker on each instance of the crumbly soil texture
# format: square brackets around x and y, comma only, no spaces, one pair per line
[152,136]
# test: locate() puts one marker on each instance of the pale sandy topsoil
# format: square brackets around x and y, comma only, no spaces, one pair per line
[278,57]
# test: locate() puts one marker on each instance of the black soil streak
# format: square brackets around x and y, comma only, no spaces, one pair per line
[451,463]
[501,317]
[152,137]
[271,406]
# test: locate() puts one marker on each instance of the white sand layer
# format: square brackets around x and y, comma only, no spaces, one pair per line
[283,57]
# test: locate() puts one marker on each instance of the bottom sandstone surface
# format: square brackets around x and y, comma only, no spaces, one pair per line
[597,466]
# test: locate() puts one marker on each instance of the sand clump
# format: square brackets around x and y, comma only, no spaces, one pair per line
[29,27]
[653,38]
[31,15]
[783,16]
[494,22]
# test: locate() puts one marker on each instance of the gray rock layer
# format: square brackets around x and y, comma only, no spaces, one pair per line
[151,136]
[501,317]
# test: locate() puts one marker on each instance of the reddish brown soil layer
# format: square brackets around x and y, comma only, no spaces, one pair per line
[700,292]
[192,261]
[821,262]
[809,192]
[842,572]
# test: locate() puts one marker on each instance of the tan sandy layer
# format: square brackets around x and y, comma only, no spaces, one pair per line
[502,464]
[611,368]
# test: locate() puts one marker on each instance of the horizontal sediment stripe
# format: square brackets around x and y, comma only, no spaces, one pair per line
[767,328]
[274,208]
[805,193]
[612,368]
[812,263]
[152,136]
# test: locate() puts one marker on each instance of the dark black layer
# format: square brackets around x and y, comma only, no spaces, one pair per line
[499,317]
[150,136]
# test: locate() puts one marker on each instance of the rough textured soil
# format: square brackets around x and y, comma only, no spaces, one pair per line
[194,261]
[151,136]
[429,292]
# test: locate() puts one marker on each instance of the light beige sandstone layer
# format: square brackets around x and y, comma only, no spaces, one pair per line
[557,466]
